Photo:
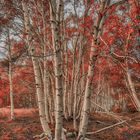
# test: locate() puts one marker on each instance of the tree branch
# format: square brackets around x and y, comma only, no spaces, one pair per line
[108,127]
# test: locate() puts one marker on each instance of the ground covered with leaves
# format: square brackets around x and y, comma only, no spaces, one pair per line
[118,127]
[102,126]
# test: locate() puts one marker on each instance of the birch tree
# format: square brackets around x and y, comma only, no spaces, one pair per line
[55,18]
[10,76]
[37,72]
[97,30]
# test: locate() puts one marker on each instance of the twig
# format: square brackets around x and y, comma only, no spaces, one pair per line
[89,133]
[43,138]
[39,136]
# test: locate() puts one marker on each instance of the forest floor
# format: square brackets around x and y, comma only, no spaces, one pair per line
[102,126]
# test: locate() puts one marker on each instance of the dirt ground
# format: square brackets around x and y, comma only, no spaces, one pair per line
[27,125]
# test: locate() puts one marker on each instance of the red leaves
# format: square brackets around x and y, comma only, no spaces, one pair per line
[131,107]
[111,40]
[116,109]
[9,121]
[123,129]
[1,101]
[130,31]
[88,21]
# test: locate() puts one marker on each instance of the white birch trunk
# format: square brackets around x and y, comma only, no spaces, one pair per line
[76,87]
[66,83]
[37,73]
[133,92]
[86,105]
[10,81]
[11,92]
[46,91]
[92,61]
[55,14]
[46,70]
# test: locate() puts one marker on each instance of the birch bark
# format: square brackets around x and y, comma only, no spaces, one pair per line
[55,15]
[93,58]
[10,80]
[37,73]
[133,91]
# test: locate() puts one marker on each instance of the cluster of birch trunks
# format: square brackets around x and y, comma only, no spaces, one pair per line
[64,87]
